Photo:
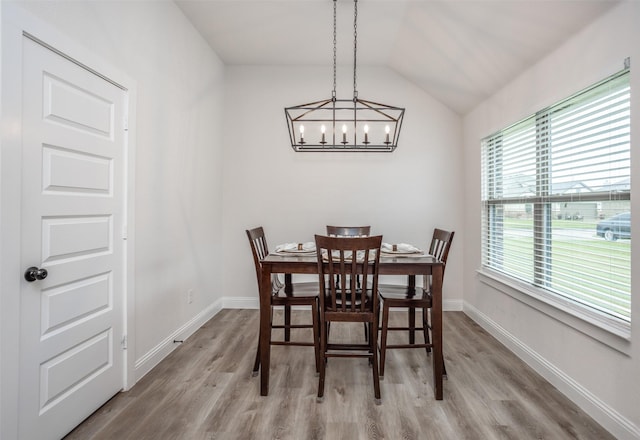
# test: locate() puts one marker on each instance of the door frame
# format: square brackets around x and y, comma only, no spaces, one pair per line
[16,24]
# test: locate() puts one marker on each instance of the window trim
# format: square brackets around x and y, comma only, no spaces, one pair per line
[599,326]
[542,201]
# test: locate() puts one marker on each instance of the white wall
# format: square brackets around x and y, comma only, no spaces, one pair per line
[602,380]
[402,195]
[178,170]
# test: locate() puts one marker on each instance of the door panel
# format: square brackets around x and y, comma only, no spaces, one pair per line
[70,238]
[74,172]
[71,303]
[67,104]
[71,322]
[69,370]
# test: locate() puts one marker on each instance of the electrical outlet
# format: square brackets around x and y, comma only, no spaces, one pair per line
[189,296]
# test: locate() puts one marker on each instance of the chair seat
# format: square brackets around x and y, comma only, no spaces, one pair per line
[300,289]
[405,294]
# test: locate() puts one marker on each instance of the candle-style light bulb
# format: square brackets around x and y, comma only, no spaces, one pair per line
[366,134]
[386,130]
[301,134]
[323,129]
[344,133]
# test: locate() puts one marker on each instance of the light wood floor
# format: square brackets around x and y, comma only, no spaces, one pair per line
[204,390]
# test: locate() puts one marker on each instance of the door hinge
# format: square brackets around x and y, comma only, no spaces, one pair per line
[124,232]
[123,343]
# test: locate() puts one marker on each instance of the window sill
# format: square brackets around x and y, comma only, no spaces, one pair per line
[598,326]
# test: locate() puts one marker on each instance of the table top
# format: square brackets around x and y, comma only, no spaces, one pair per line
[389,264]
[386,258]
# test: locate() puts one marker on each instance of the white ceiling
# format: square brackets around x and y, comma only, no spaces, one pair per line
[458,51]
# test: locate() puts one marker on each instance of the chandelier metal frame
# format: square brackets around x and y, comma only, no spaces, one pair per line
[344,124]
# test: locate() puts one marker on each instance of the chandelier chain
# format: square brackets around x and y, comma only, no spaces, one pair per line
[355,47]
[335,2]
[348,125]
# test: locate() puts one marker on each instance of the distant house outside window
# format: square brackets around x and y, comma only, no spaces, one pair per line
[556,191]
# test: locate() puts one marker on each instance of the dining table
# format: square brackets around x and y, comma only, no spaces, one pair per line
[390,264]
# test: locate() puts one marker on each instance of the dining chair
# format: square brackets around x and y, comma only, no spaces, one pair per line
[350,231]
[343,258]
[285,295]
[411,297]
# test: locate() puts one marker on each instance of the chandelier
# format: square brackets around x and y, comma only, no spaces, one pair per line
[344,124]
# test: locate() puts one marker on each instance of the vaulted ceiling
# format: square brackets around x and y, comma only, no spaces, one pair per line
[458,51]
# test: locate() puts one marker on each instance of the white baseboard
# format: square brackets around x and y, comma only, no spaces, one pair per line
[621,427]
[154,356]
[250,302]
[452,305]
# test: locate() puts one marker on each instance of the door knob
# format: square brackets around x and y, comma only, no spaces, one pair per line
[33,273]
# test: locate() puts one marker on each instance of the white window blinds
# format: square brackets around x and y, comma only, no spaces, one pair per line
[556,192]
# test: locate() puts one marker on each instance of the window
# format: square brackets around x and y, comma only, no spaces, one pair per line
[556,193]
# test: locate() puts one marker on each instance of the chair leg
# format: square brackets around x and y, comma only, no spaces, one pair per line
[383,337]
[374,353]
[428,324]
[316,336]
[412,325]
[425,328]
[366,337]
[287,323]
[323,358]
[256,364]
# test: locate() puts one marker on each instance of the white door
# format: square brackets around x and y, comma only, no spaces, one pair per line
[73,211]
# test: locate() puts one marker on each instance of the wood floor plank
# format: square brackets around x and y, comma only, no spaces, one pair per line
[204,391]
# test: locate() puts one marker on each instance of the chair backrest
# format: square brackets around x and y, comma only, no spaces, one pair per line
[336,262]
[259,249]
[348,231]
[440,244]
[439,248]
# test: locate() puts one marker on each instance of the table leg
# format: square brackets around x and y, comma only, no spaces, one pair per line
[265,329]
[436,328]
